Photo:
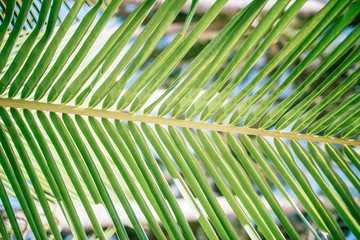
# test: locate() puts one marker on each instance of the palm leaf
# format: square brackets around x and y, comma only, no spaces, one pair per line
[91,139]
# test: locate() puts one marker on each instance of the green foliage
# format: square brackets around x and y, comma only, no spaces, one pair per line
[100,124]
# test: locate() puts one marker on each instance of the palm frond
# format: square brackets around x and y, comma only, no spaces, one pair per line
[87,126]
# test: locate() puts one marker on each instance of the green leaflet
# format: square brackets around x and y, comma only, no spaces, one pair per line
[148,182]
[339,185]
[15,175]
[353,156]
[330,226]
[33,56]
[117,41]
[352,129]
[8,208]
[304,156]
[65,135]
[85,48]
[45,59]
[9,11]
[173,55]
[210,165]
[159,148]
[193,81]
[335,114]
[3,232]
[10,42]
[67,164]
[276,113]
[254,150]
[331,34]
[201,190]
[343,165]
[94,174]
[149,46]
[344,122]
[251,41]
[29,167]
[25,205]
[288,49]
[304,199]
[111,80]
[123,170]
[67,51]
[165,188]
[114,183]
[63,194]
[314,112]
[294,113]
[26,47]
[201,178]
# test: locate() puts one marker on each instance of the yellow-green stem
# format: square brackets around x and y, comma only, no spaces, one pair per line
[59,108]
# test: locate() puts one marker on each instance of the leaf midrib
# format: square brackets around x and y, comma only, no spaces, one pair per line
[60,108]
